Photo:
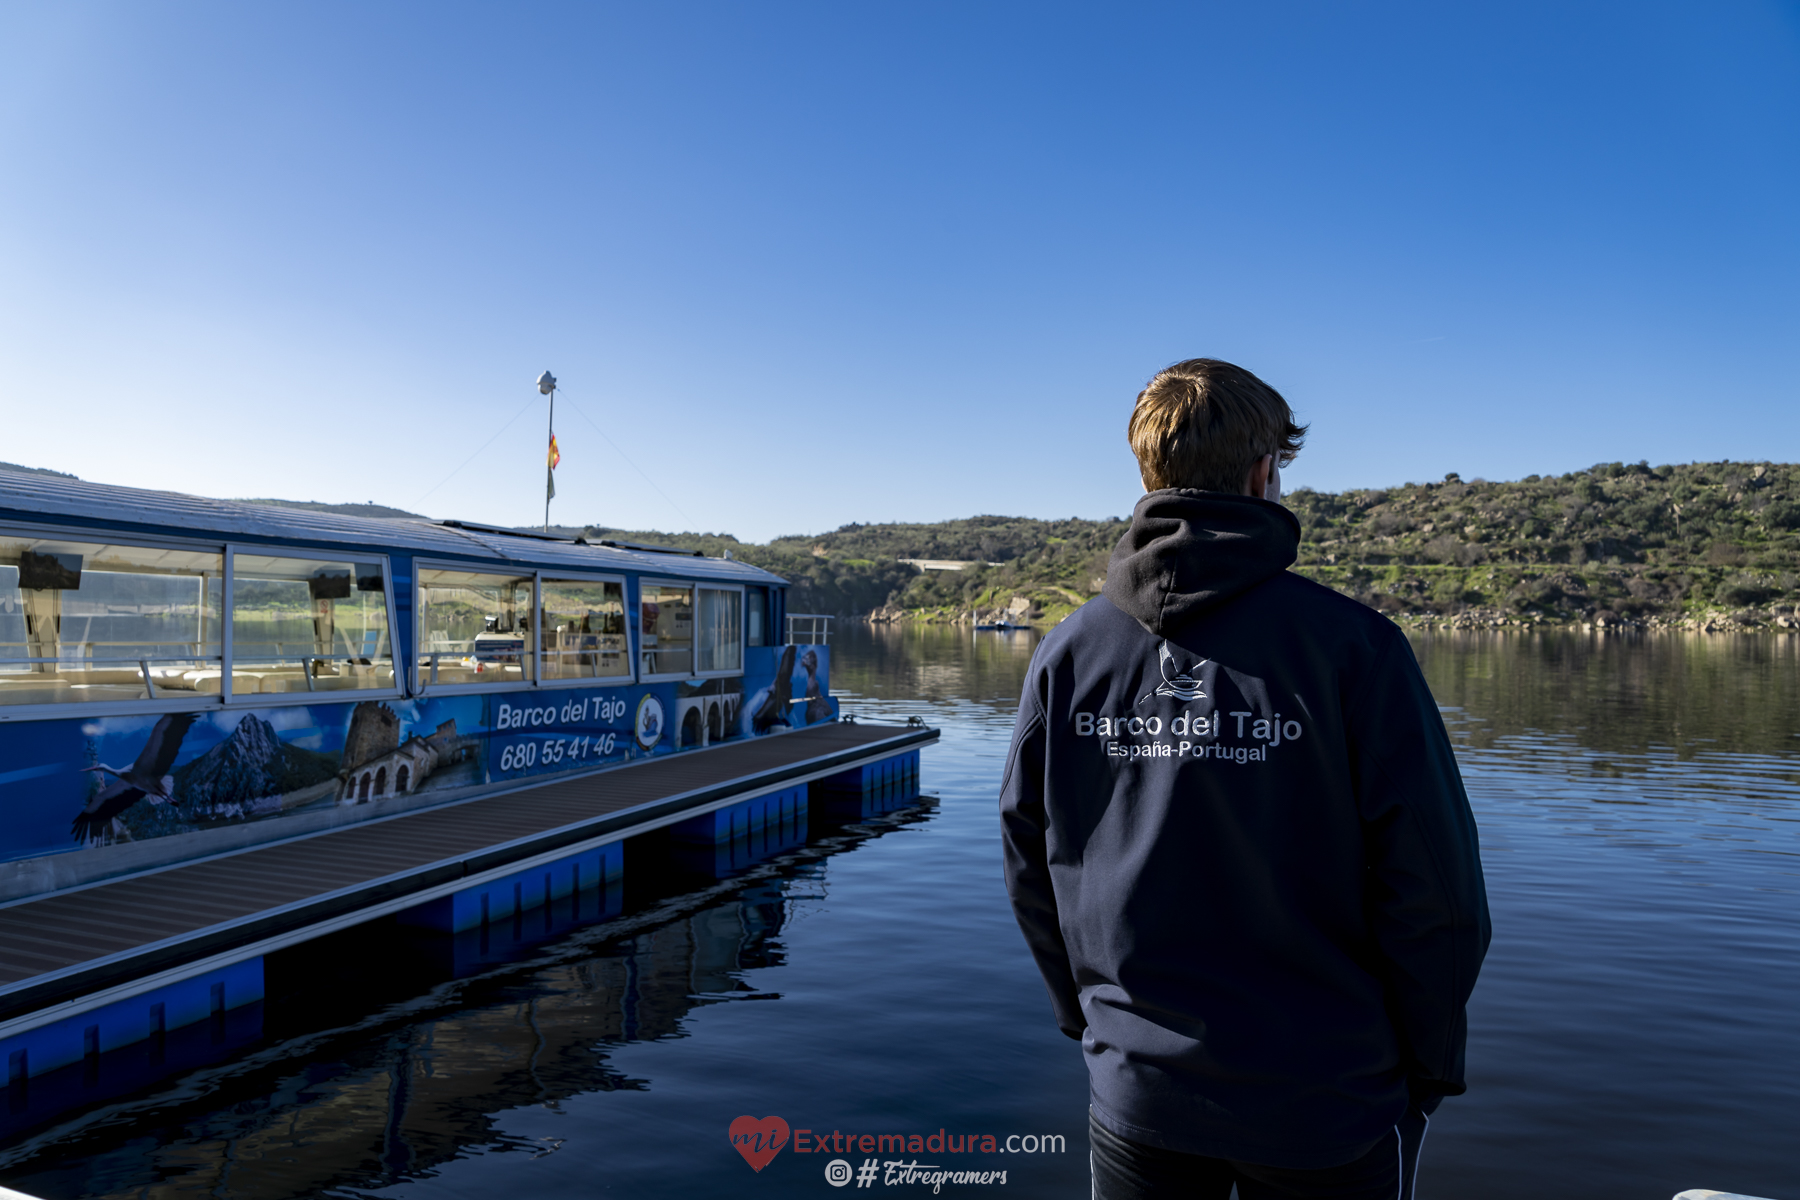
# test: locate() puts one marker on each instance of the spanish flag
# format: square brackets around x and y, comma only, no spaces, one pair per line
[554,457]
[555,454]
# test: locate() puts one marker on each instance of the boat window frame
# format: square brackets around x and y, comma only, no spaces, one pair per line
[336,695]
[422,686]
[693,585]
[743,630]
[768,607]
[417,675]
[537,642]
[181,702]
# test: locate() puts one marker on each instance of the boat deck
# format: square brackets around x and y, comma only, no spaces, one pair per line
[70,945]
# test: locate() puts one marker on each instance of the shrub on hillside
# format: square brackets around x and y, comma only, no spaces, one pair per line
[1745,590]
[1783,514]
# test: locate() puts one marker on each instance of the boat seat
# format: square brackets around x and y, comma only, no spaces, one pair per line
[34,689]
[105,675]
[172,677]
[105,691]
[206,683]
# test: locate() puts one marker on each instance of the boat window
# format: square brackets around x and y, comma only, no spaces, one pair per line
[756,617]
[473,628]
[721,630]
[83,621]
[308,625]
[666,633]
[584,630]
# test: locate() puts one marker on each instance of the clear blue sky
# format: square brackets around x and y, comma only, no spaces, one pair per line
[812,264]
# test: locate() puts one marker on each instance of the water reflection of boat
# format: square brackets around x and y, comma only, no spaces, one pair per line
[432,1068]
[999,626]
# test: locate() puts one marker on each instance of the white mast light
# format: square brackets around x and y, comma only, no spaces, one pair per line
[546,383]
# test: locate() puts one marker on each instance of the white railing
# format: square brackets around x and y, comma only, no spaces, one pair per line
[808,629]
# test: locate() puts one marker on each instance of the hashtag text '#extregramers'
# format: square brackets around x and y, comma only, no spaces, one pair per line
[936,1176]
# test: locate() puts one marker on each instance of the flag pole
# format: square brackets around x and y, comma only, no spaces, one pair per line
[546,384]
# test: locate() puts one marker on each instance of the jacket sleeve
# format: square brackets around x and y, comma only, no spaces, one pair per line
[1425,896]
[1023,833]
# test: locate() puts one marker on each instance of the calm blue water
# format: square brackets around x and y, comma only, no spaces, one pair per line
[1635,1031]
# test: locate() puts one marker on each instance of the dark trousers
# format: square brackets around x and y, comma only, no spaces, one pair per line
[1126,1170]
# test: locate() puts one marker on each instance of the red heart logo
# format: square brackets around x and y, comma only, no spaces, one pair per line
[759,1141]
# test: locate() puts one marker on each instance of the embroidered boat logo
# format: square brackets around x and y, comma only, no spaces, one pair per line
[1176,684]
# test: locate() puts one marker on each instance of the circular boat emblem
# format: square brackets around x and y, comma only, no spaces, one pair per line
[649,723]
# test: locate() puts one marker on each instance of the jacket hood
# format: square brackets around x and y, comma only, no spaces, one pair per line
[1187,551]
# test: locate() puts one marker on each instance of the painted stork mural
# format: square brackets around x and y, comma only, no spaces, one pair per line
[147,778]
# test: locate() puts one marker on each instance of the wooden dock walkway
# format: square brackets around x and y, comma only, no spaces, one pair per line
[79,948]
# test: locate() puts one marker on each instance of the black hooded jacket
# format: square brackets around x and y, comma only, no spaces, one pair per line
[1239,847]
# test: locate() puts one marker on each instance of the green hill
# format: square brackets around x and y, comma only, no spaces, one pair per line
[6,466]
[371,509]
[1616,542]
[1695,544]
[857,569]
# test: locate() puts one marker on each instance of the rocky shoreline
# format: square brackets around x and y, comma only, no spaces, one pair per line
[1605,621]
[1020,610]
[1779,619]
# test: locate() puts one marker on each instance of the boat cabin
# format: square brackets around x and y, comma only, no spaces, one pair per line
[181,676]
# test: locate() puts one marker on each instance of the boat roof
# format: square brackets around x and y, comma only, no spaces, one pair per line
[29,495]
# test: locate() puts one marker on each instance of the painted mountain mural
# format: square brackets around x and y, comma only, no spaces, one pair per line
[249,766]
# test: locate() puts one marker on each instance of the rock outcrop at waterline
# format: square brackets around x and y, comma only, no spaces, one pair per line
[1606,621]
[1019,611]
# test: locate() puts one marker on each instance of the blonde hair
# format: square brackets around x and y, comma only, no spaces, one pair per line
[1203,423]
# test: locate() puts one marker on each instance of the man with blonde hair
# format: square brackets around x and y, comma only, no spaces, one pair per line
[1236,838]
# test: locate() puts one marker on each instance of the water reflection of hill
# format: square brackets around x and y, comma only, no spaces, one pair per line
[1622,693]
[931,663]
[1612,692]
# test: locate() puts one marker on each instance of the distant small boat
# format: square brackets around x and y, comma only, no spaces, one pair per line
[1000,625]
